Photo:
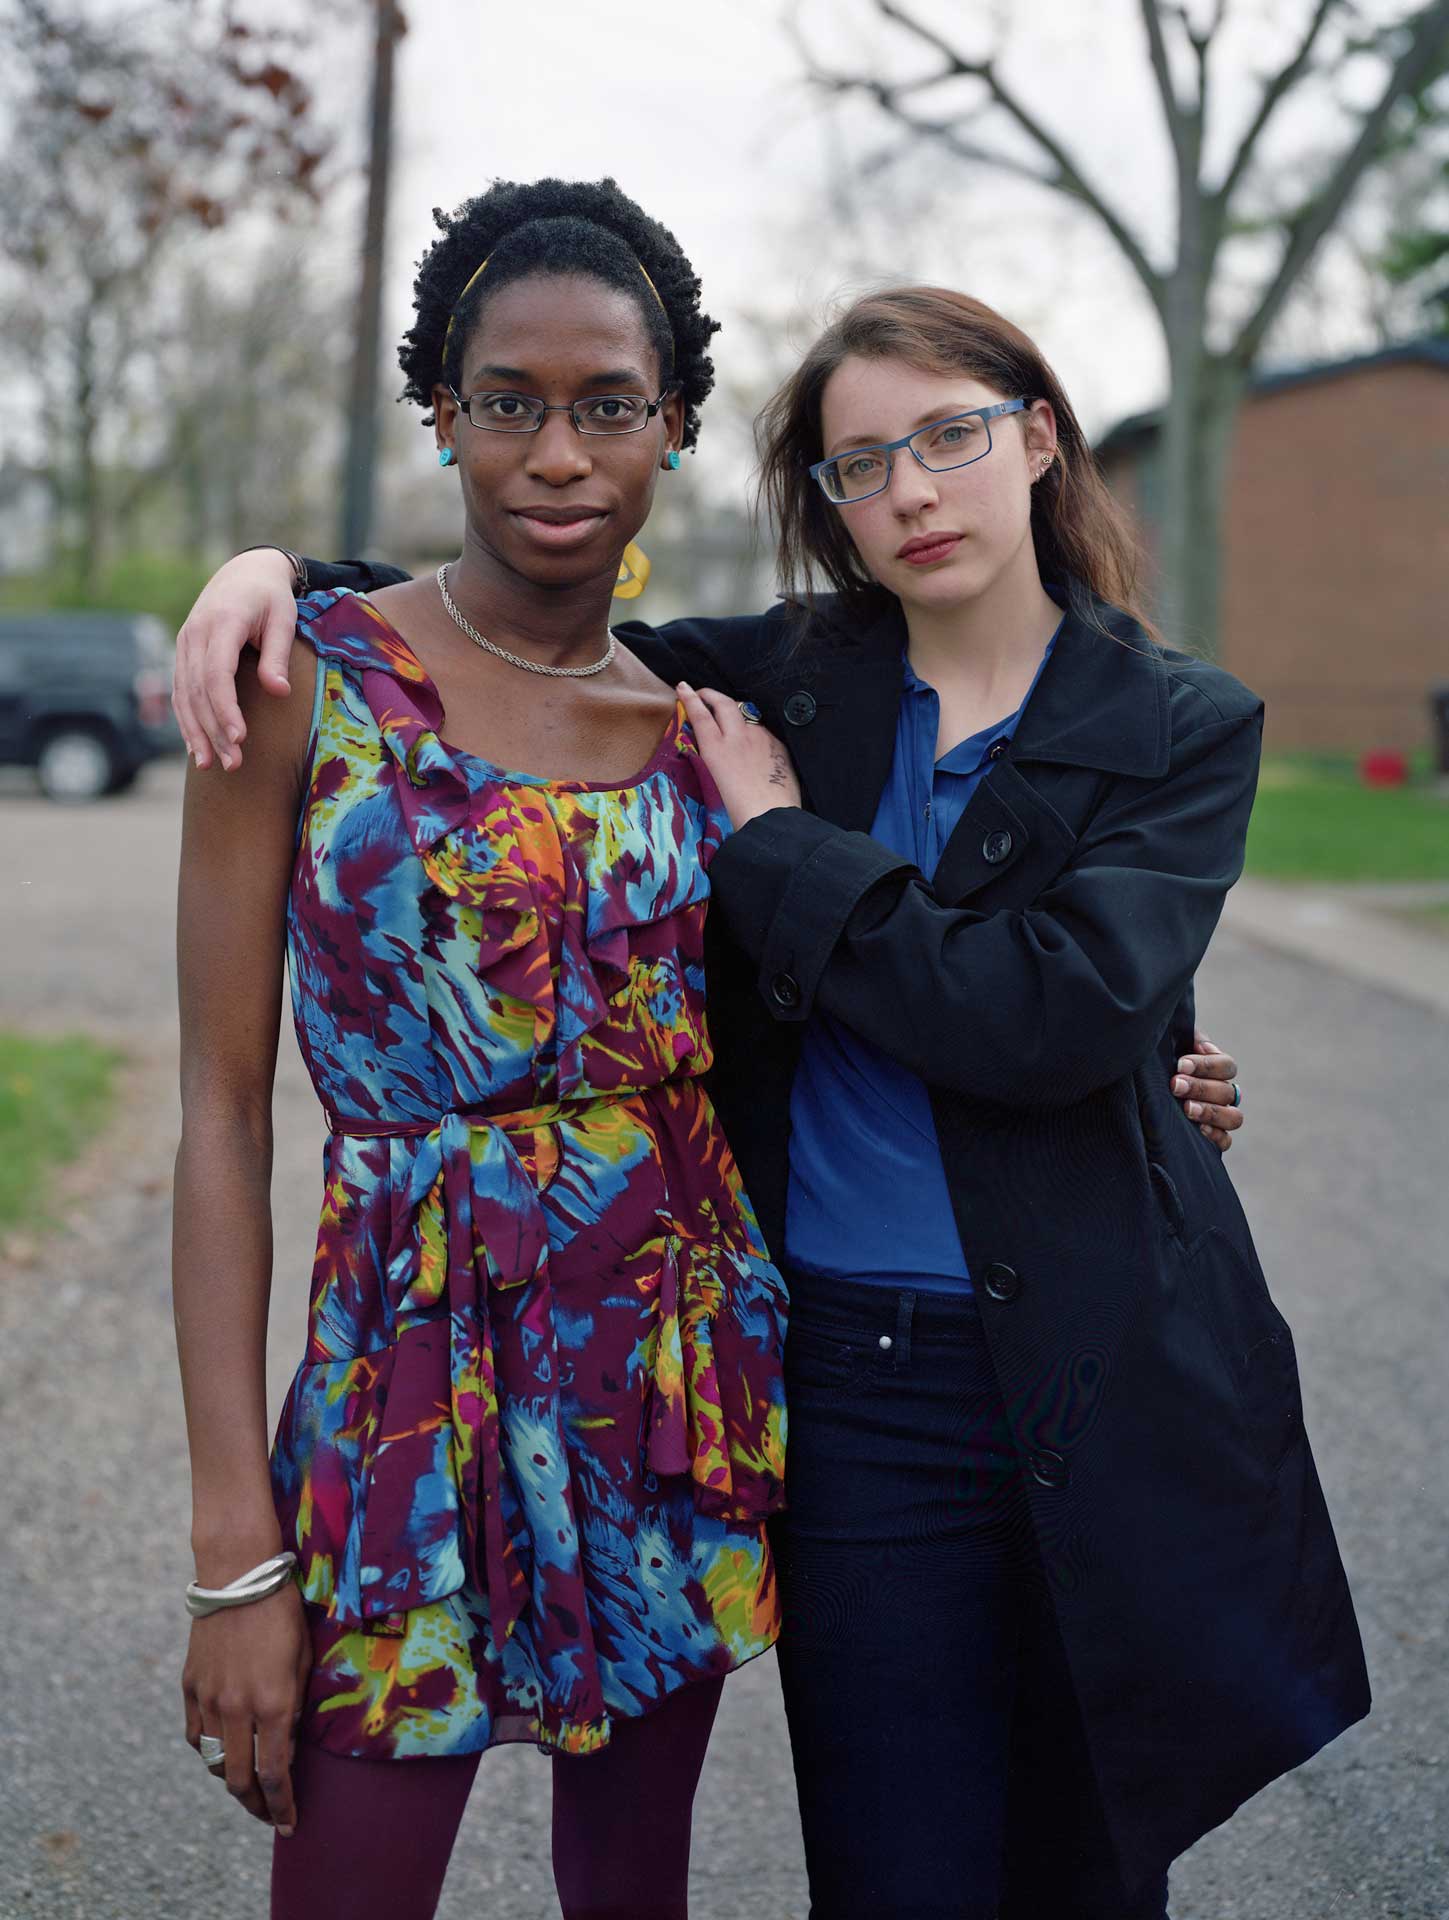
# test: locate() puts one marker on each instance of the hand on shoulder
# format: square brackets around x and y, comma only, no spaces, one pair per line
[248,602]
[751,768]
[277,730]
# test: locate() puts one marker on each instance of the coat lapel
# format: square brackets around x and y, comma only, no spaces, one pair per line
[1102,698]
[1100,706]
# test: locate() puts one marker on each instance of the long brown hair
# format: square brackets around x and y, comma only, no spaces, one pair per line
[1082,537]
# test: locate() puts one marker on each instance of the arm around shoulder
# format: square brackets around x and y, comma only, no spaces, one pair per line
[731,655]
[248,602]
[362,576]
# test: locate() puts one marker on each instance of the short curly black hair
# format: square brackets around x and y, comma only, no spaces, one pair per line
[556,226]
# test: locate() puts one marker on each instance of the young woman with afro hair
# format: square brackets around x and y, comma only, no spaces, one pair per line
[519,1485]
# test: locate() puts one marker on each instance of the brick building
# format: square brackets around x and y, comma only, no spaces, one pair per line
[1335,601]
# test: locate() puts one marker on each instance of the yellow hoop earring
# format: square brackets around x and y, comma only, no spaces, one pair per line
[634,571]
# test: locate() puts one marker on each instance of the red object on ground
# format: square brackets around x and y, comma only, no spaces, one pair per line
[1384,769]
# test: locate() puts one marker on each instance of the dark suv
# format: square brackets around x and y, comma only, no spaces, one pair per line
[85,699]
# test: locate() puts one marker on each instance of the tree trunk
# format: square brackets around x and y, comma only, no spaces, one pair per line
[1193,442]
[361,455]
[1202,400]
[87,477]
[1196,438]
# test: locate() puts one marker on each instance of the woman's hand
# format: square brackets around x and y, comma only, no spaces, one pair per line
[750,766]
[246,602]
[1205,1082]
[753,773]
[244,1682]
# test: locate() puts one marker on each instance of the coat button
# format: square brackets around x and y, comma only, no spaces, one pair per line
[785,990]
[1002,1282]
[996,846]
[997,748]
[800,709]
[1048,1469]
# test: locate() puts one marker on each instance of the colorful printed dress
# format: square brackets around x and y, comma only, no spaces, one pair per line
[527,1458]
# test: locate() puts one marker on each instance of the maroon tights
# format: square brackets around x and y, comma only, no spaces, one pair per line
[374,1836]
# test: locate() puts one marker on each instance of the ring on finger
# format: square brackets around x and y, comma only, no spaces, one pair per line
[1237,1094]
[212,1751]
[751,712]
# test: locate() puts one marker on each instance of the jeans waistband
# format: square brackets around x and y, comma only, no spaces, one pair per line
[864,1307]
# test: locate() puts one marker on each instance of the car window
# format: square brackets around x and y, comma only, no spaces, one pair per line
[84,643]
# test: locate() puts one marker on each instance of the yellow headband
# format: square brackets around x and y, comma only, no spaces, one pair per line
[477,274]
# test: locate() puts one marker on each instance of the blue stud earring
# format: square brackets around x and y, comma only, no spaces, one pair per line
[447,457]
[673,461]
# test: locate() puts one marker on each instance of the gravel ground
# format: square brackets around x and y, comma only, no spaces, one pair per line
[105,1815]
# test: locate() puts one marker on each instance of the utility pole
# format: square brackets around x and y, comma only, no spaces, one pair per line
[362,423]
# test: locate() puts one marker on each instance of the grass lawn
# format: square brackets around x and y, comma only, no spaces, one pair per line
[53,1095]
[133,583]
[1315,820]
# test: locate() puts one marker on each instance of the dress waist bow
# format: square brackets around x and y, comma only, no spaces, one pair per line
[472,1206]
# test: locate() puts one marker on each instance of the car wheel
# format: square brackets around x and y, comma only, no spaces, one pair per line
[76,764]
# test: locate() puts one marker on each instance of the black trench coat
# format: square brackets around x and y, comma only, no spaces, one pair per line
[1042,986]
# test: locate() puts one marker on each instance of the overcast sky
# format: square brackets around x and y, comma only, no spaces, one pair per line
[698,109]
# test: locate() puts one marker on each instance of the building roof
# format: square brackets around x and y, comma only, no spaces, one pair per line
[1131,434]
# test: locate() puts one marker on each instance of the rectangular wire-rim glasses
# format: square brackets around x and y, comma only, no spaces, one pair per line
[598,413]
[941,446]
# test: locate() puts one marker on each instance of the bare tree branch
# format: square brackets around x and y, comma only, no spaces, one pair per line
[1202,41]
[951,55]
[1065,177]
[1307,229]
[1207,383]
[1281,84]
[945,134]
[1173,110]
[925,82]
[1202,46]
[1199,41]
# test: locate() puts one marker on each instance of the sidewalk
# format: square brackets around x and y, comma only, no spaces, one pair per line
[1350,929]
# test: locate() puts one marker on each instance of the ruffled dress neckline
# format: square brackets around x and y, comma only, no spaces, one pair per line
[396,657]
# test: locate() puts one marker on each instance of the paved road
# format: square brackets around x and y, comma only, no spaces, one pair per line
[105,1815]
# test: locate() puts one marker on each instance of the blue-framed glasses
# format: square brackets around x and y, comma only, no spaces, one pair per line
[943,445]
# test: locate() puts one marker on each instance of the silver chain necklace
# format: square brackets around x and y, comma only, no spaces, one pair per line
[516,660]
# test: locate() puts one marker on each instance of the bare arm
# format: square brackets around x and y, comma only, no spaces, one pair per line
[247,602]
[245,1667]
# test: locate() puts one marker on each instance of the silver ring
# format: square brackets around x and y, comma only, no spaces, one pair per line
[211,1750]
[750,711]
[1237,1094]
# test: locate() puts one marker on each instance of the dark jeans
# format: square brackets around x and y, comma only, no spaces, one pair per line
[938,1750]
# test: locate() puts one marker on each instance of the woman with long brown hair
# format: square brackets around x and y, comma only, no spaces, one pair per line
[1061,1589]
[1059,1586]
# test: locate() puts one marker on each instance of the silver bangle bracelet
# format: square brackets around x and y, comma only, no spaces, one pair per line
[259,1584]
